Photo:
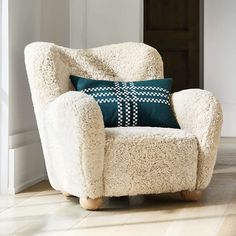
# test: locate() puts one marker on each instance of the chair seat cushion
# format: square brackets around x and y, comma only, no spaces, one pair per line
[146,160]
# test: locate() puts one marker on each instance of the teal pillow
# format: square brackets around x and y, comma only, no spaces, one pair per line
[139,103]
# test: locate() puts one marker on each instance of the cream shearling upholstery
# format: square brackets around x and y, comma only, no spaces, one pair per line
[87,160]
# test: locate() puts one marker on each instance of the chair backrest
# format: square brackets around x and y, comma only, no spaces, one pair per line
[49,66]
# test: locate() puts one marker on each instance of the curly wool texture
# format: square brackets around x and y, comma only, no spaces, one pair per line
[147,160]
[199,112]
[75,157]
[84,159]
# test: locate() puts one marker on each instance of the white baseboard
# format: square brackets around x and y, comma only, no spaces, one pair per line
[26,162]
[26,184]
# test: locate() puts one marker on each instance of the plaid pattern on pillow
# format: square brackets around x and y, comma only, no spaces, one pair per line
[140,103]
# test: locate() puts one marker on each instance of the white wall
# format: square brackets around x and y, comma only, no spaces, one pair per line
[112,21]
[24,27]
[78,26]
[55,22]
[4,91]
[220,57]
[0,36]
[29,21]
[24,21]
[105,22]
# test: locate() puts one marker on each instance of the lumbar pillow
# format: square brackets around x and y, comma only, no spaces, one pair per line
[139,103]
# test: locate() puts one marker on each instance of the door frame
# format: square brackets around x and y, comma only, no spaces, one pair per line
[201,45]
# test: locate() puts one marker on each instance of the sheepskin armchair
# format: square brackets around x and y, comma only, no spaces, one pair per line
[85,159]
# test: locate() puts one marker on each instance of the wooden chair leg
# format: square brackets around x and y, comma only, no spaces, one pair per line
[90,204]
[194,195]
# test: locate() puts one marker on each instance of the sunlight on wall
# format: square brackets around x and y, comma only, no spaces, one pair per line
[4,97]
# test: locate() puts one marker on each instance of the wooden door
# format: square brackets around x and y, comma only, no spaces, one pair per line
[174,28]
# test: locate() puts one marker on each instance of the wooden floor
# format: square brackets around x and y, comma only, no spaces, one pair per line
[43,211]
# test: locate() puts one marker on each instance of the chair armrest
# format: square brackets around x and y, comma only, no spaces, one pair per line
[199,112]
[73,139]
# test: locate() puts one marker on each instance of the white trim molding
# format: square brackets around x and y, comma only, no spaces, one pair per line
[26,167]
[141,39]
[17,148]
[23,138]
[26,162]
[4,97]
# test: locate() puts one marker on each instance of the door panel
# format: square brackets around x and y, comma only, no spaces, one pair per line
[173,27]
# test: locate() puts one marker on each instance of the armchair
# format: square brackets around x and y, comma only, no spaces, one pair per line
[85,159]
